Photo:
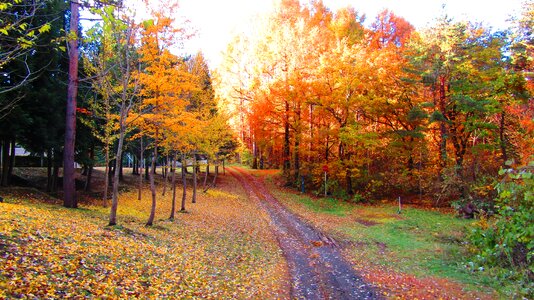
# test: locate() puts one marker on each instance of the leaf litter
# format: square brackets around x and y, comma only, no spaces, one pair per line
[222,248]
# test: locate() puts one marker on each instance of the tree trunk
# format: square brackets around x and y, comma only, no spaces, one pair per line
[184,183]
[297,159]
[153,185]
[135,165]
[49,170]
[310,147]
[286,145]
[90,167]
[214,184]
[88,179]
[147,169]
[173,170]
[141,162]
[5,162]
[348,180]
[69,189]
[118,168]
[297,137]
[206,176]
[106,174]
[194,198]
[111,170]
[55,177]
[254,155]
[11,160]
[55,171]
[165,177]
[442,129]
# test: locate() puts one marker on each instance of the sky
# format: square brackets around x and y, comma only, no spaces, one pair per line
[217,21]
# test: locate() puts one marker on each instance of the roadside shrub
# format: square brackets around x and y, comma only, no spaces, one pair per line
[358,198]
[504,243]
[481,199]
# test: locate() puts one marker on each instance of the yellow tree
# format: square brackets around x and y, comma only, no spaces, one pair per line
[233,82]
[182,125]
[216,136]
[179,129]
[164,81]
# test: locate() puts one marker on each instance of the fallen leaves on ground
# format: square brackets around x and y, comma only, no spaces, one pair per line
[221,248]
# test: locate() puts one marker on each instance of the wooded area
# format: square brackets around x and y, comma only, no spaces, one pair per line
[388,110]
[126,92]
[349,110]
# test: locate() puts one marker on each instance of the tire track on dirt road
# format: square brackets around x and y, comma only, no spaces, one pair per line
[316,267]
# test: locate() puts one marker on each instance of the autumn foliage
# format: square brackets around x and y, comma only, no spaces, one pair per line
[348,108]
[389,109]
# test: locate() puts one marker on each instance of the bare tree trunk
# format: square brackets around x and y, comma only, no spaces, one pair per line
[254,153]
[141,162]
[136,164]
[88,179]
[173,170]
[55,171]
[348,180]
[69,189]
[214,184]
[49,170]
[120,167]
[118,164]
[286,167]
[106,173]
[89,175]
[206,175]
[297,138]
[11,160]
[153,185]
[5,162]
[194,200]
[184,183]
[147,169]
[442,130]
[111,170]
[165,177]
[164,169]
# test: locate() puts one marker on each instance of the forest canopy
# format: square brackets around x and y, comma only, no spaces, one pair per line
[389,110]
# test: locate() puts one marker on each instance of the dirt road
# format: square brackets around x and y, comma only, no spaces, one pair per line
[317,269]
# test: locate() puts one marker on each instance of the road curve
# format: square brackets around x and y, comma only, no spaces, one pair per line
[316,267]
